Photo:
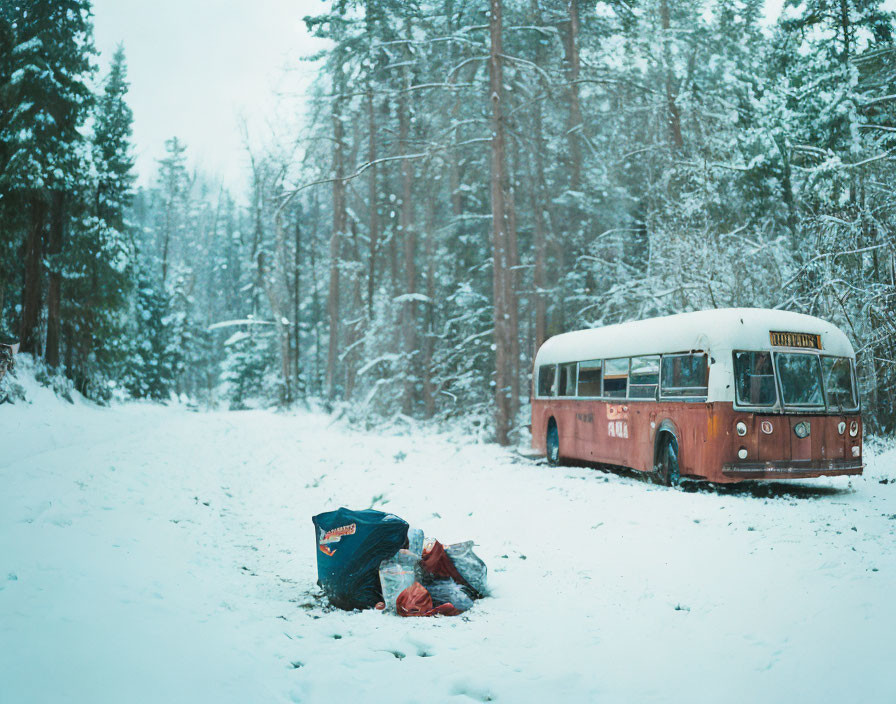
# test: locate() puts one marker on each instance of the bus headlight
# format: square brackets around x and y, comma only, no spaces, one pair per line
[741,428]
[841,427]
[853,428]
[856,451]
[742,453]
[802,429]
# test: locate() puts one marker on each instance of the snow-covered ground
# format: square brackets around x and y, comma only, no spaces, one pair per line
[152,554]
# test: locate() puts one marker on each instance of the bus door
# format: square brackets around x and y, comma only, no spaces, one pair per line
[588,410]
[614,429]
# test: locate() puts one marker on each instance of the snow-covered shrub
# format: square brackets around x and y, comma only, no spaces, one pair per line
[244,371]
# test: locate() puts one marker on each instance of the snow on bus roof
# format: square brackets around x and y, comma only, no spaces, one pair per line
[708,330]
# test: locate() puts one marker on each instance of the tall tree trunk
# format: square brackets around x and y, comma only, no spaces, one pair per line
[31,294]
[574,124]
[461,259]
[316,313]
[429,403]
[296,306]
[536,177]
[501,236]
[845,28]
[370,19]
[54,288]
[513,309]
[69,348]
[277,293]
[574,138]
[409,236]
[672,105]
[539,198]
[374,239]
[354,329]
[166,240]
[339,223]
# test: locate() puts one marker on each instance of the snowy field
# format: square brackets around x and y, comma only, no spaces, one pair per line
[152,554]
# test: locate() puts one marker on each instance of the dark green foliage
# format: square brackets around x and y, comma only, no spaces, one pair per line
[99,270]
[45,97]
[64,194]
[244,369]
[148,373]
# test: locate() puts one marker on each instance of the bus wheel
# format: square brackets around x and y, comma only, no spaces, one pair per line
[667,470]
[553,443]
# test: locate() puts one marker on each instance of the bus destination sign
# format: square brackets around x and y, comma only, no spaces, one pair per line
[795,339]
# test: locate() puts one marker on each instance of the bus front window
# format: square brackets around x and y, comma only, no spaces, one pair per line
[754,378]
[838,382]
[800,376]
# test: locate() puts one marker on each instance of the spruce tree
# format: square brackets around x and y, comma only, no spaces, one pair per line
[46,99]
[100,255]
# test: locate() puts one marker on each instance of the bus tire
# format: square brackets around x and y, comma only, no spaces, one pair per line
[552,443]
[667,468]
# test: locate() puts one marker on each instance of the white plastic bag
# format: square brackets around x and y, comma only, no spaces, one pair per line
[444,591]
[470,566]
[397,574]
[415,541]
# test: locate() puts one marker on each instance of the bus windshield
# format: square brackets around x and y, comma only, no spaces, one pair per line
[838,382]
[800,377]
[805,379]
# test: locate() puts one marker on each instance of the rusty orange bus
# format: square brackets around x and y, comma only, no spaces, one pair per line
[720,395]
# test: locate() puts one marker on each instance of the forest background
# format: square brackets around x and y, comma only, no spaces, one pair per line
[469,179]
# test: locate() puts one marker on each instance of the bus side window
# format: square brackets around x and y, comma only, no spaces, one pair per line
[590,377]
[644,377]
[546,375]
[684,375]
[616,378]
[567,380]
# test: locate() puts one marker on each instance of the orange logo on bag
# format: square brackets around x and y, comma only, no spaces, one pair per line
[334,536]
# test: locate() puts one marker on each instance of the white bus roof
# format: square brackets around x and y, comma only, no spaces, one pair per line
[715,331]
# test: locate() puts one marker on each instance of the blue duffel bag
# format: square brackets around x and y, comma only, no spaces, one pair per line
[350,547]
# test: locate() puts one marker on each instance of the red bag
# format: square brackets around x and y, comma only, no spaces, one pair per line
[416,601]
[438,564]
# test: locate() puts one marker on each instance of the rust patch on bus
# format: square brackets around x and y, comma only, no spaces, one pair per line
[712,425]
[615,412]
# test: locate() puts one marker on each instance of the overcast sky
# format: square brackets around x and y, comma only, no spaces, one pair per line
[197,66]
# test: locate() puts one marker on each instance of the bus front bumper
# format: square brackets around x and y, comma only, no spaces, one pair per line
[792,469]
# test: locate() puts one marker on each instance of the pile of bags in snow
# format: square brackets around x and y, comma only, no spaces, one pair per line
[370,559]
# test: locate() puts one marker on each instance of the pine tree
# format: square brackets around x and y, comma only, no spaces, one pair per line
[100,253]
[47,99]
[12,222]
[148,372]
[244,369]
